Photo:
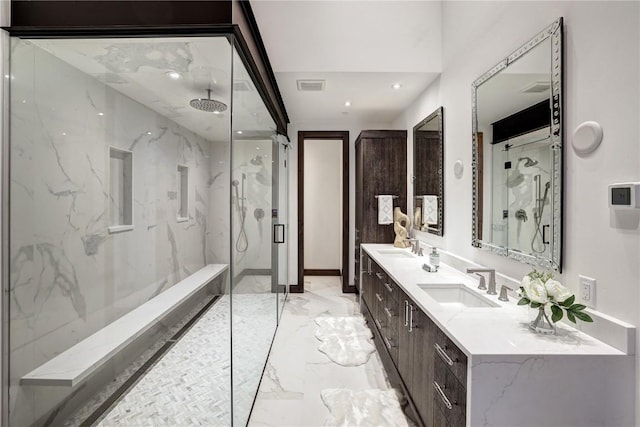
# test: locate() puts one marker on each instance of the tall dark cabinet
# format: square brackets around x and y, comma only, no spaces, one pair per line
[381,168]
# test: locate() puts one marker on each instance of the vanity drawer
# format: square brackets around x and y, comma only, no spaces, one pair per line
[439,418]
[449,353]
[449,396]
[391,289]
[391,329]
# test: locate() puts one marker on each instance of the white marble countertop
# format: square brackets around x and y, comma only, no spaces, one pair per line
[499,330]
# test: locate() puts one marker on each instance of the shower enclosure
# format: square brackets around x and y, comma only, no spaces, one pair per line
[520,193]
[136,164]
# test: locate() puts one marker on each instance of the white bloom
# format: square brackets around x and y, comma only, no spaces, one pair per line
[556,290]
[535,290]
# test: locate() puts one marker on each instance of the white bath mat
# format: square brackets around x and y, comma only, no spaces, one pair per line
[341,326]
[345,340]
[348,408]
[349,350]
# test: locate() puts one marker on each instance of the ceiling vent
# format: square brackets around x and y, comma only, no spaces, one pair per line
[242,86]
[536,87]
[310,85]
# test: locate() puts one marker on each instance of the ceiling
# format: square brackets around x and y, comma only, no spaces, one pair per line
[139,67]
[360,49]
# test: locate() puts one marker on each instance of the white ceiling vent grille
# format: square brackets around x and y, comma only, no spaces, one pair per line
[536,87]
[242,86]
[310,85]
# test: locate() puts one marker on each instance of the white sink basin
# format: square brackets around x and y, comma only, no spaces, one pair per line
[395,253]
[456,295]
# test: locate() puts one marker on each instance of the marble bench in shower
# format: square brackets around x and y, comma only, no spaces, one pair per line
[72,366]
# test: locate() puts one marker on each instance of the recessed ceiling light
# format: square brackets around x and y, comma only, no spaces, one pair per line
[239,132]
[173,75]
[217,112]
[64,134]
[101,114]
[347,103]
[396,86]
[149,133]
[257,148]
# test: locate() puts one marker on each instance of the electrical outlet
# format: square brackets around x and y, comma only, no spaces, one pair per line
[588,291]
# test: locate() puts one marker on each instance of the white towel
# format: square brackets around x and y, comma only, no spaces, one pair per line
[430,210]
[385,209]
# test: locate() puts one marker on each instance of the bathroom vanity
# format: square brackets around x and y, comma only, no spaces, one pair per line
[463,357]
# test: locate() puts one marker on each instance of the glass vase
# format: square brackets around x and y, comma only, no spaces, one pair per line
[542,324]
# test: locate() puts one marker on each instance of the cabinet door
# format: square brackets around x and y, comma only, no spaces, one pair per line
[405,343]
[423,359]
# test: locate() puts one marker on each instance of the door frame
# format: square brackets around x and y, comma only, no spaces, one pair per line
[344,137]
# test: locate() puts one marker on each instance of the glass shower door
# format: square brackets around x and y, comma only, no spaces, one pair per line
[254,228]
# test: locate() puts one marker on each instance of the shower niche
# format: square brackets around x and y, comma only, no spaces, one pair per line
[121,190]
[517,153]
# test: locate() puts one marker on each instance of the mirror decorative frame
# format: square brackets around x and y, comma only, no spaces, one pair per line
[438,115]
[554,261]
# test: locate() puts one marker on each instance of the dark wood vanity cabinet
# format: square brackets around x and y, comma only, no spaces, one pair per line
[381,168]
[415,358]
[432,369]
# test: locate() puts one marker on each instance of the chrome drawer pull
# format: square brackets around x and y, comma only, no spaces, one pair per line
[379,276]
[379,297]
[388,286]
[443,355]
[443,396]
[410,317]
[378,324]
[406,313]
[387,343]
[389,313]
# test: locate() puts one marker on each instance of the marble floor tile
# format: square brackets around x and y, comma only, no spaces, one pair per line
[289,394]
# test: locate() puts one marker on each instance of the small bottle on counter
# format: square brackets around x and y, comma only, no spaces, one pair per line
[434,258]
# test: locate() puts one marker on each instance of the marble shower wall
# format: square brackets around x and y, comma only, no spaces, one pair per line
[69,276]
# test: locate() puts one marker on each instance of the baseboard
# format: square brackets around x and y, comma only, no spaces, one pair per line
[322,272]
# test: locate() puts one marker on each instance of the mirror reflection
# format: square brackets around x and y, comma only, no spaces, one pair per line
[517,153]
[428,161]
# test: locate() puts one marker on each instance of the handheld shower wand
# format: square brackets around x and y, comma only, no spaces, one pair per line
[242,243]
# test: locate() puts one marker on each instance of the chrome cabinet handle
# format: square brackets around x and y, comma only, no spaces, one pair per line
[443,396]
[410,317]
[388,286]
[379,297]
[389,313]
[387,343]
[379,276]
[443,355]
[369,266]
[378,324]
[406,313]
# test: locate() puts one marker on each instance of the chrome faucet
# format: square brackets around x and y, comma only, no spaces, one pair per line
[415,245]
[492,277]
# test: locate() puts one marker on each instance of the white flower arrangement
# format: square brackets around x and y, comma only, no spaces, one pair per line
[540,290]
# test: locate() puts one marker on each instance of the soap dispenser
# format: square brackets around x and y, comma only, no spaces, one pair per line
[434,258]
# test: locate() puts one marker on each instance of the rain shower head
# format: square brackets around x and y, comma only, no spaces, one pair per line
[529,161]
[207,104]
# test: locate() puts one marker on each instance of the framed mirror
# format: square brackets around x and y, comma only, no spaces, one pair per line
[428,169]
[517,153]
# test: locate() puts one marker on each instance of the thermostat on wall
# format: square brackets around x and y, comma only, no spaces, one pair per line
[625,195]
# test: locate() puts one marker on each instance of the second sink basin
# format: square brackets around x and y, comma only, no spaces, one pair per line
[395,253]
[456,294]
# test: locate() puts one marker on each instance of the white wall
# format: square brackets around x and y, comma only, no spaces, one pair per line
[323,204]
[602,83]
